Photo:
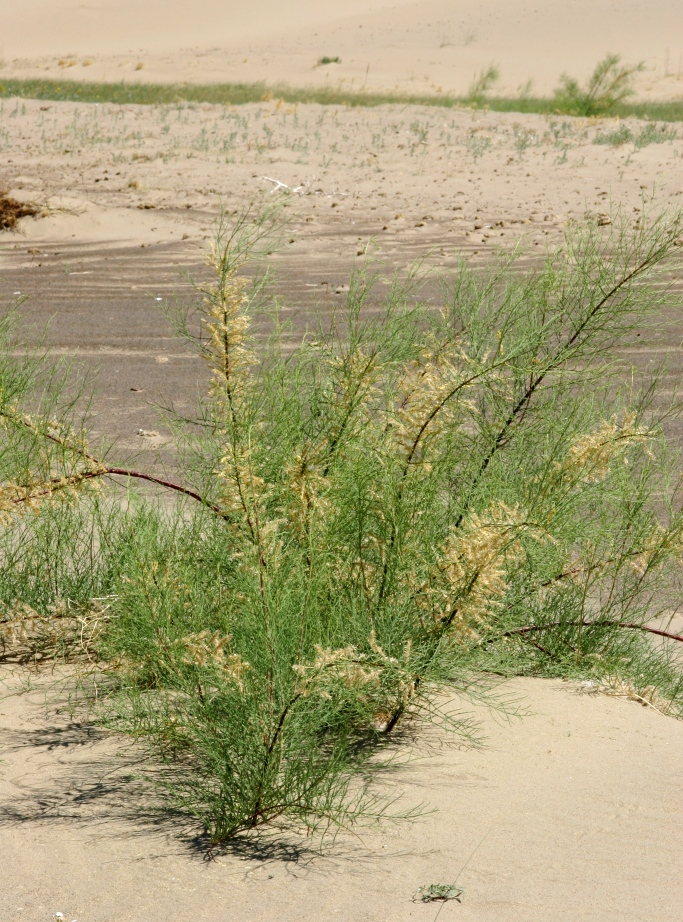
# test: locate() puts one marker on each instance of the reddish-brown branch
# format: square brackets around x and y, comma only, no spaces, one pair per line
[54,485]
[169,484]
[102,470]
[606,622]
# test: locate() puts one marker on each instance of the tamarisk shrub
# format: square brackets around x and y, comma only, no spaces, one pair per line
[405,501]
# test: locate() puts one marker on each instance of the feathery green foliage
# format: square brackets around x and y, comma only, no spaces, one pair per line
[481,84]
[610,85]
[410,500]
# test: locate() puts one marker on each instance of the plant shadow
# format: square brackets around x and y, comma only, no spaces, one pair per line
[80,776]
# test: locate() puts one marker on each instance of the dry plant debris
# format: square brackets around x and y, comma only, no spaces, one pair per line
[11,210]
[65,631]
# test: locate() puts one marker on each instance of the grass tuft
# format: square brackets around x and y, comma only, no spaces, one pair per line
[480,86]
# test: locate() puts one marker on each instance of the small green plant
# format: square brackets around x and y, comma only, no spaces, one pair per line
[477,145]
[481,84]
[615,138]
[649,134]
[654,134]
[439,893]
[328,60]
[420,132]
[414,497]
[523,139]
[609,86]
[442,893]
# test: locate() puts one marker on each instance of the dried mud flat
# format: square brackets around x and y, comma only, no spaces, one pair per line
[579,801]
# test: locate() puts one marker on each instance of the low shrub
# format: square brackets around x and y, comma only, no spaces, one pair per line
[608,87]
[413,499]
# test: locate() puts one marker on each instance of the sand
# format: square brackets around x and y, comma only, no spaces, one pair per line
[131,195]
[578,801]
[427,46]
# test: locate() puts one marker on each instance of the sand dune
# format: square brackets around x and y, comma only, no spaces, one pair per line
[427,46]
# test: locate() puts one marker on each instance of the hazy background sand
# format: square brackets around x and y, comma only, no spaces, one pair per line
[426,46]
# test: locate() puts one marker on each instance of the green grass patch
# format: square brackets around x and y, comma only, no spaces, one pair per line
[236,94]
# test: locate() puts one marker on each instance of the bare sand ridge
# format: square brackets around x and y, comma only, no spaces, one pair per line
[429,46]
[579,801]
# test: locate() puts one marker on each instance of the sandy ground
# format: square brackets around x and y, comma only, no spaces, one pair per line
[579,801]
[131,195]
[429,46]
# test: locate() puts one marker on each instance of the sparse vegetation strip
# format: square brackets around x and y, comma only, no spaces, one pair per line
[241,93]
